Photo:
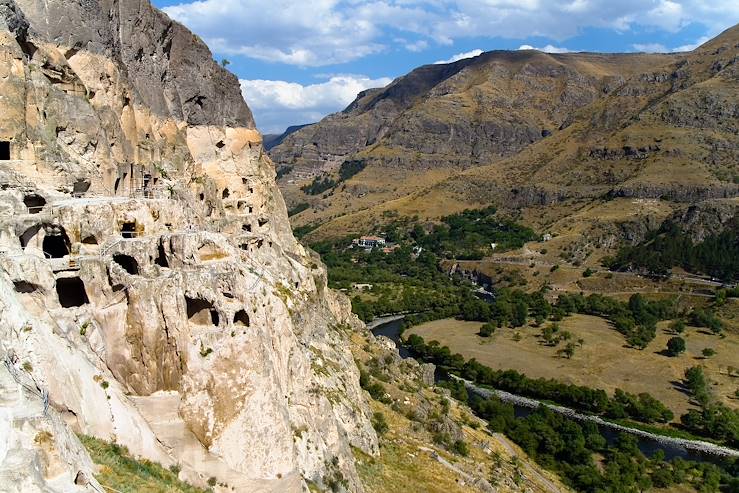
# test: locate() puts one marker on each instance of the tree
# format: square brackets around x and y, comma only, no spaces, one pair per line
[678,326]
[225,63]
[568,351]
[487,330]
[708,352]
[675,346]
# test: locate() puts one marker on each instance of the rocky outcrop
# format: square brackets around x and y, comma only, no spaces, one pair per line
[151,284]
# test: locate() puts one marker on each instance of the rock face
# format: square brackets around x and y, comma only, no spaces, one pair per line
[150,281]
[463,114]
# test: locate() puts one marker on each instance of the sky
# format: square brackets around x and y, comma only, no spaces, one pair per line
[300,60]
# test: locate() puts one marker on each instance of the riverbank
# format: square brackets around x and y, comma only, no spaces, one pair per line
[698,446]
[693,449]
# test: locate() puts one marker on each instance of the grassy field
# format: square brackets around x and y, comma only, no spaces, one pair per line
[603,362]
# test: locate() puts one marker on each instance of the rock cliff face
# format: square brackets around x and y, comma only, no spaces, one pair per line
[152,291]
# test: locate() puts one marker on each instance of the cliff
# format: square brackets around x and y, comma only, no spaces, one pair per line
[152,291]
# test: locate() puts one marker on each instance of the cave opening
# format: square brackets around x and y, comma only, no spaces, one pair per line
[90,240]
[28,235]
[24,287]
[128,230]
[246,228]
[56,246]
[71,292]
[128,263]
[226,193]
[161,259]
[201,312]
[241,318]
[34,203]
[4,150]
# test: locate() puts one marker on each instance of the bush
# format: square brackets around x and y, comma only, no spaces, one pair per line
[460,447]
[675,346]
[487,330]
[379,423]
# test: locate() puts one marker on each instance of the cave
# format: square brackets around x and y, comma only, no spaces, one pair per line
[161,259]
[128,230]
[28,235]
[24,287]
[90,240]
[226,193]
[117,184]
[201,312]
[71,292]
[241,318]
[56,246]
[4,150]
[80,187]
[246,228]
[128,263]
[34,203]
[262,222]
[220,144]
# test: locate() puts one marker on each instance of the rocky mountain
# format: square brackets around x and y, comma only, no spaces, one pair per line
[524,130]
[273,140]
[152,292]
[463,114]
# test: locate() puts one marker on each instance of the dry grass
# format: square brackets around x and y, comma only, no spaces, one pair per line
[603,362]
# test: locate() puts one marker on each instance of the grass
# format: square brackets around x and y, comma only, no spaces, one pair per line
[120,471]
[603,362]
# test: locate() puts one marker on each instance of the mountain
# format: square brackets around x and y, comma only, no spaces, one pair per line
[524,130]
[272,140]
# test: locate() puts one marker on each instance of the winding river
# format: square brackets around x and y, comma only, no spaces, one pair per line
[649,443]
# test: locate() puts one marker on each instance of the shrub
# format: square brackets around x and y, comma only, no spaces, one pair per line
[460,447]
[379,423]
[487,330]
[675,346]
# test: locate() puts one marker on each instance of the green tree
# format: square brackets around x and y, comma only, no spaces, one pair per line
[675,346]
[487,330]
[708,352]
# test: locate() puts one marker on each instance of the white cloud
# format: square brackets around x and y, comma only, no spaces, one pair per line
[545,49]
[418,46]
[325,32]
[692,46]
[278,104]
[650,47]
[461,56]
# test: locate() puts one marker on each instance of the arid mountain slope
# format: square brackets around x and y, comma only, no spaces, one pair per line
[640,126]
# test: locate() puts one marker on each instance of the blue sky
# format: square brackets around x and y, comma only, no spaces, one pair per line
[299,60]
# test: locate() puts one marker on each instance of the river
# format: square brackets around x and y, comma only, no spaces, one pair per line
[649,443]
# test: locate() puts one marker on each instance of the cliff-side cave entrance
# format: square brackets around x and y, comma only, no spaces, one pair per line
[201,312]
[128,263]
[56,246]
[71,292]
[241,318]
[128,230]
[34,203]
[161,259]
[29,235]
[4,150]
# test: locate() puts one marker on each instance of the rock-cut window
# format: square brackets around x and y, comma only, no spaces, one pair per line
[4,150]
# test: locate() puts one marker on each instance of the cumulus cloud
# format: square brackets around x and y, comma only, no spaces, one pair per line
[692,46]
[278,104]
[461,56]
[545,49]
[325,32]
[650,47]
